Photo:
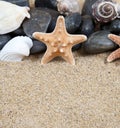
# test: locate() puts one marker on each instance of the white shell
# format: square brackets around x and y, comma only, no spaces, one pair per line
[11,16]
[68,6]
[16,49]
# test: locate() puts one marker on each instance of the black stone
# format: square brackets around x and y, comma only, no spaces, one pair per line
[4,39]
[87,26]
[105,26]
[73,22]
[38,47]
[54,14]
[76,47]
[46,4]
[98,42]
[19,2]
[38,22]
[18,32]
[87,8]
[115,26]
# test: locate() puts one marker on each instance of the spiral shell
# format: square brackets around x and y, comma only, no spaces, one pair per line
[105,10]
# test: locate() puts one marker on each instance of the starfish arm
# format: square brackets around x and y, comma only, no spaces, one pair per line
[44,37]
[60,26]
[114,55]
[76,39]
[48,56]
[69,58]
[114,38]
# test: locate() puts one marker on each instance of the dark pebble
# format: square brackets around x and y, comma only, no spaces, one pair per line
[76,47]
[38,22]
[54,14]
[46,4]
[38,47]
[115,26]
[87,8]
[19,2]
[4,39]
[98,42]
[87,26]
[105,26]
[18,32]
[73,22]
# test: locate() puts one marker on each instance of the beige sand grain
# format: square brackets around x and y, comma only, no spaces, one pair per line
[58,95]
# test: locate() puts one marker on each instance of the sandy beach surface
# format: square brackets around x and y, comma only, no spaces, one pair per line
[59,95]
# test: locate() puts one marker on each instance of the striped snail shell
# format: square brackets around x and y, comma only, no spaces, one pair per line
[105,10]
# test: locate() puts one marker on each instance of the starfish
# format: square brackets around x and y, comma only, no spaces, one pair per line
[59,42]
[116,54]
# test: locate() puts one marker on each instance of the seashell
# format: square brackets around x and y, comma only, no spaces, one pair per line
[16,49]
[105,10]
[12,16]
[68,6]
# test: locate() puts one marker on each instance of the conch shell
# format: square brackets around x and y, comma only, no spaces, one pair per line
[105,10]
[11,16]
[16,49]
[68,6]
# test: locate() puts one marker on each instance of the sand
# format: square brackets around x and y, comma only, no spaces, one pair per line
[59,95]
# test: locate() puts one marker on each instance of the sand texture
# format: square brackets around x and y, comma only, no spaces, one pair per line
[59,95]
